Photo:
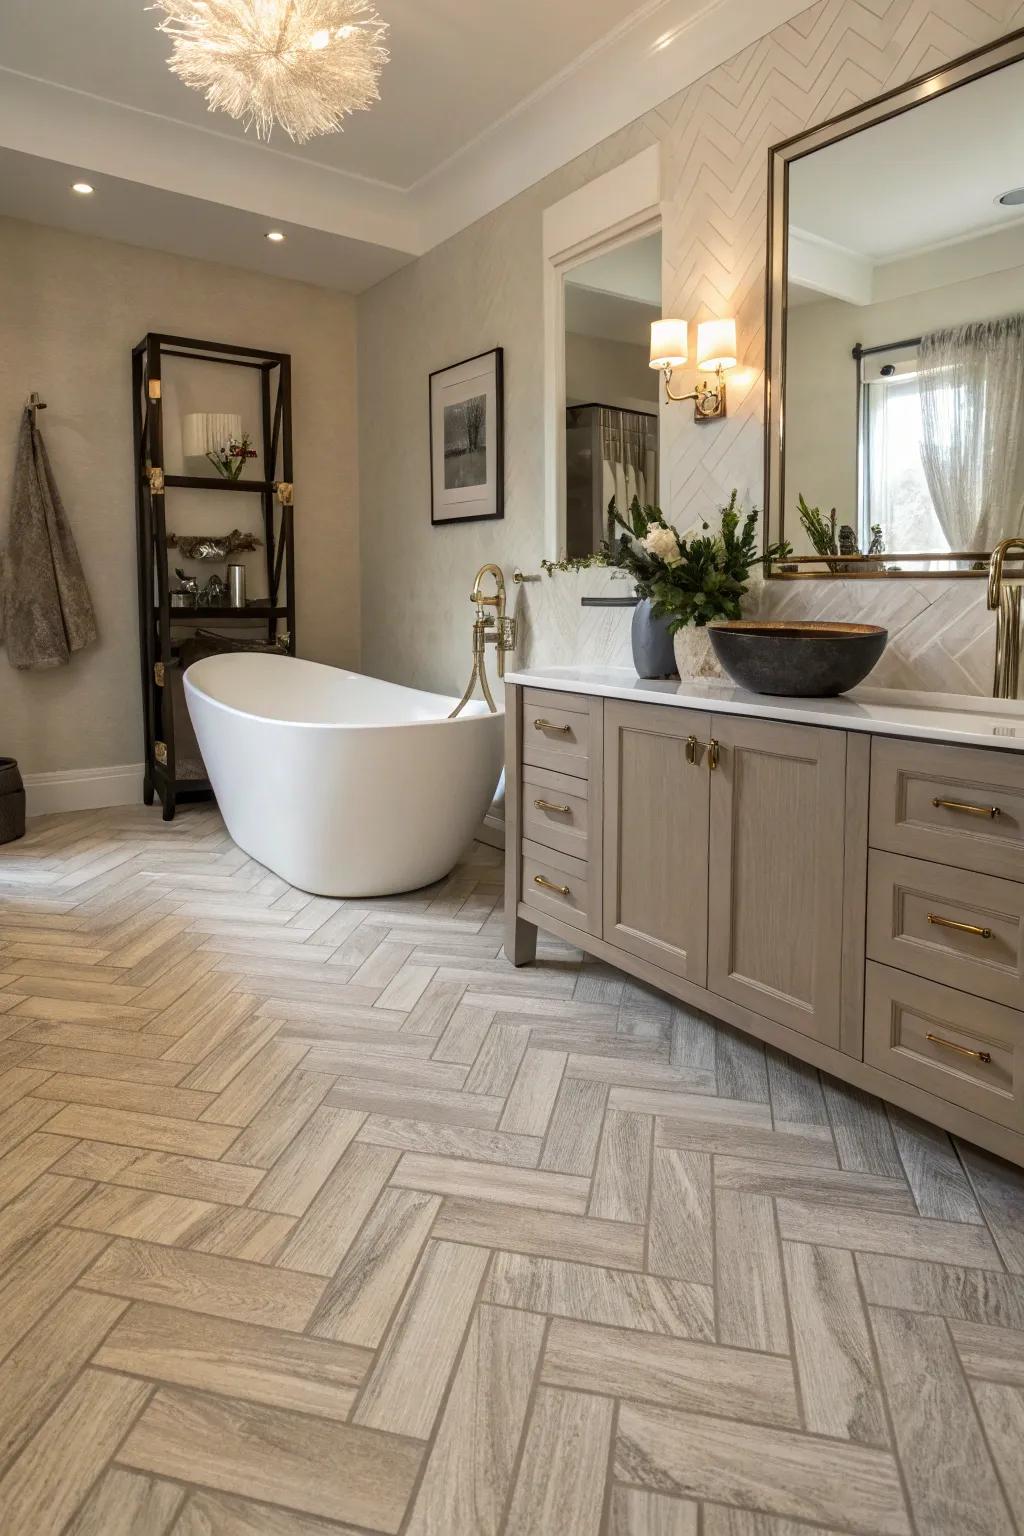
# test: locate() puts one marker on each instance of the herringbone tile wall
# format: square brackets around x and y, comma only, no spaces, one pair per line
[716,138]
[483,288]
[318,1217]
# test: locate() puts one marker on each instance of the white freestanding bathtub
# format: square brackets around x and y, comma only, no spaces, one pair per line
[341,784]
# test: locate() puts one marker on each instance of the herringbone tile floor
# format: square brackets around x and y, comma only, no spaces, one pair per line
[320,1218]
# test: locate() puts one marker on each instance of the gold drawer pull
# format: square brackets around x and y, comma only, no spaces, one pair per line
[691,749]
[712,754]
[961,1050]
[549,885]
[948,922]
[545,725]
[991,811]
[548,805]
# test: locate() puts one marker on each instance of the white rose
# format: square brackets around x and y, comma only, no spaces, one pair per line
[663,543]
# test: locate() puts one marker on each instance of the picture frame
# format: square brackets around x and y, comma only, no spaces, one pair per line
[467,440]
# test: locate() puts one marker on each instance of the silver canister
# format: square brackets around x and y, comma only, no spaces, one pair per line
[236,586]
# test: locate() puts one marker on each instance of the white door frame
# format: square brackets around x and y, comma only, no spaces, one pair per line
[612,210]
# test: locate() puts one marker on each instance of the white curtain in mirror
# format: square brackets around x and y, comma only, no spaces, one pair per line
[629,456]
[971,382]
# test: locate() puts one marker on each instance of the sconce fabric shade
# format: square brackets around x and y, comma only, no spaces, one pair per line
[669,343]
[716,344]
[206,431]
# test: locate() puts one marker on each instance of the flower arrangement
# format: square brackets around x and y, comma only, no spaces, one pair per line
[229,459]
[689,581]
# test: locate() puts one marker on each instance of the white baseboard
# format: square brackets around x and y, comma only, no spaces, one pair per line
[83,789]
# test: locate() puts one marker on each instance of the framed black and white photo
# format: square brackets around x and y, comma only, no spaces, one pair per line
[467,447]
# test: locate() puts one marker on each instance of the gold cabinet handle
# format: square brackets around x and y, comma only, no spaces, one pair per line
[548,805]
[691,749]
[948,922]
[991,811]
[713,754]
[545,725]
[961,1050]
[549,885]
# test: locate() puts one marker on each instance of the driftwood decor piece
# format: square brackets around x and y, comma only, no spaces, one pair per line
[212,547]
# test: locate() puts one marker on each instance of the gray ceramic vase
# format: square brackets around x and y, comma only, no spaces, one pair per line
[653,655]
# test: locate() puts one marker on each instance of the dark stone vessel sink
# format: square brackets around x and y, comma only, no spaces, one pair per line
[803,660]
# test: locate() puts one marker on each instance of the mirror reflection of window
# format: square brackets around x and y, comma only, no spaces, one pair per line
[904,329]
[611,418]
[894,491]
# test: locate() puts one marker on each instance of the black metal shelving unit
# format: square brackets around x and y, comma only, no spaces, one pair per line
[168,775]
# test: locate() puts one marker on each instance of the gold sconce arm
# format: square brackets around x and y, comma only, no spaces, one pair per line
[709,402]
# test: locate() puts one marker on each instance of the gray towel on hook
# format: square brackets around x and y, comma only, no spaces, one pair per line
[48,610]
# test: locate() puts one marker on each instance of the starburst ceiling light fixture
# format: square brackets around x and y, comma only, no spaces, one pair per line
[305,64]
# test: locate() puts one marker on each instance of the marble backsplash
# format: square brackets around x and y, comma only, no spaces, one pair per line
[941,636]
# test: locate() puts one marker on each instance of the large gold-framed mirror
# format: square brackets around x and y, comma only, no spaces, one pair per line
[895,329]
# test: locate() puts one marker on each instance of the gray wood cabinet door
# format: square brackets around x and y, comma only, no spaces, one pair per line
[656,835]
[775,903]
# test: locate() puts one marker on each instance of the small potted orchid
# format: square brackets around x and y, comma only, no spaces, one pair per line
[683,583]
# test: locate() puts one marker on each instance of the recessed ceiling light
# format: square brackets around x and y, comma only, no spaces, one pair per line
[82,188]
[275,235]
[1012,199]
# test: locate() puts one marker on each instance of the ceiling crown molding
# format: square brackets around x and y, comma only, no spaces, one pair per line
[653,55]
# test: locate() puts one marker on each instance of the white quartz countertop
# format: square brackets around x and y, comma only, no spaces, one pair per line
[960,718]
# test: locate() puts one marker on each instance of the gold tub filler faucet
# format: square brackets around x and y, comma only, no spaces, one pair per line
[488,628]
[1005,598]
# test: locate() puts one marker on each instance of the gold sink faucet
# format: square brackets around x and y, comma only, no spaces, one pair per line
[488,629]
[1004,599]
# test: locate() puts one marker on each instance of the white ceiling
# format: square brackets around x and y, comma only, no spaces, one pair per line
[609,316]
[479,101]
[455,69]
[633,271]
[920,180]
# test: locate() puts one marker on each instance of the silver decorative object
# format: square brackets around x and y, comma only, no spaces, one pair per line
[214,593]
[236,586]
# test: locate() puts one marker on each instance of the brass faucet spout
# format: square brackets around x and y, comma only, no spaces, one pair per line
[488,628]
[1005,601]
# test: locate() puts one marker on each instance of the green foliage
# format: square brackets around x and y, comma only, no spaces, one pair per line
[573,563]
[825,539]
[689,581]
[821,533]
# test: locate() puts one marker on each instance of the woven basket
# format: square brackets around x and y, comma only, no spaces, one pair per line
[12,801]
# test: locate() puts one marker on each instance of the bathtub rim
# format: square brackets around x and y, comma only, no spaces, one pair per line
[478,707]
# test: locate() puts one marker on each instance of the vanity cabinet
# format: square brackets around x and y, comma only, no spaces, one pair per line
[723,856]
[854,899]
[775,894]
[656,803]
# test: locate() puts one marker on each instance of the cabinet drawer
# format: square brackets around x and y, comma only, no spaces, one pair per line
[950,925]
[561,886]
[954,805]
[556,732]
[556,811]
[961,1048]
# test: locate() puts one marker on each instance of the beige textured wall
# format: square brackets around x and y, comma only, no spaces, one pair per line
[483,289]
[71,308]
[602,372]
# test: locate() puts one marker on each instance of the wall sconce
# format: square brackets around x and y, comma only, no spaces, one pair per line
[716,351]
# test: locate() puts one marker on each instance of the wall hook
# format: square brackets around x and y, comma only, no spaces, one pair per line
[34,404]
